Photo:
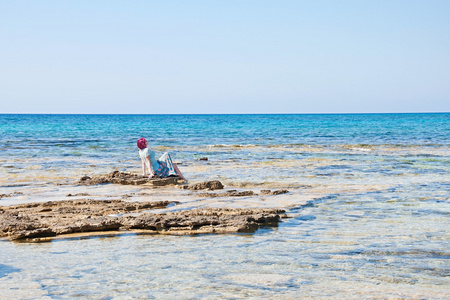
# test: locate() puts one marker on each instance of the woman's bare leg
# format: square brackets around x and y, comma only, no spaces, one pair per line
[178,172]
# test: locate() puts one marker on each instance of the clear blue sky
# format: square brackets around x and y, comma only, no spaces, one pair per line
[233,56]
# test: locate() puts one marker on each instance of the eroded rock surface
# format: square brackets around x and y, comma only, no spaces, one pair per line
[235,193]
[210,220]
[127,178]
[50,219]
[276,192]
[207,185]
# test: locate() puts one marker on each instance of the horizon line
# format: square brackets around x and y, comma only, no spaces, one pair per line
[310,113]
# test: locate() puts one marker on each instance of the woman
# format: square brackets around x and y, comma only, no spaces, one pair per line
[162,167]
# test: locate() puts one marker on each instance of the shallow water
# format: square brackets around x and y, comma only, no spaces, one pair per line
[368,206]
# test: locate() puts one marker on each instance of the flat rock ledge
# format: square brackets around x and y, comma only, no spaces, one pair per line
[235,193]
[127,178]
[41,221]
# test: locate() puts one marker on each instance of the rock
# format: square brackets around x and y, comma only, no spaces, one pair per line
[41,220]
[166,181]
[10,195]
[126,178]
[277,192]
[207,185]
[231,193]
[211,220]
[234,193]
[241,194]
[116,174]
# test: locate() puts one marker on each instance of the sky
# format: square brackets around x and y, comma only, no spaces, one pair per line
[233,56]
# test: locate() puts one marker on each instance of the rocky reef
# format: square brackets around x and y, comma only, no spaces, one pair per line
[38,221]
[47,220]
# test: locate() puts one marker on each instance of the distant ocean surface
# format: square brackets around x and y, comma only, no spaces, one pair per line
[368,205]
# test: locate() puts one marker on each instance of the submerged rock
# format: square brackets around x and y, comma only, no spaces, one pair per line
[10,195]
[50,219]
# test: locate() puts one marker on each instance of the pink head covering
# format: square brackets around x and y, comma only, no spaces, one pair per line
[142,143]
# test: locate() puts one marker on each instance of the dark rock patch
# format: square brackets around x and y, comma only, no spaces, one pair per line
[279,192]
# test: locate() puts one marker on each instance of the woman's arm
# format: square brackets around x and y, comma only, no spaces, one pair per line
[144,172]
[150,166]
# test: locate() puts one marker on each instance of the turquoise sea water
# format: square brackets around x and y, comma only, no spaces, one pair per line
[368,205]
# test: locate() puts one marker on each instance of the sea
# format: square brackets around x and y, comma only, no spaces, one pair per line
[368,207]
